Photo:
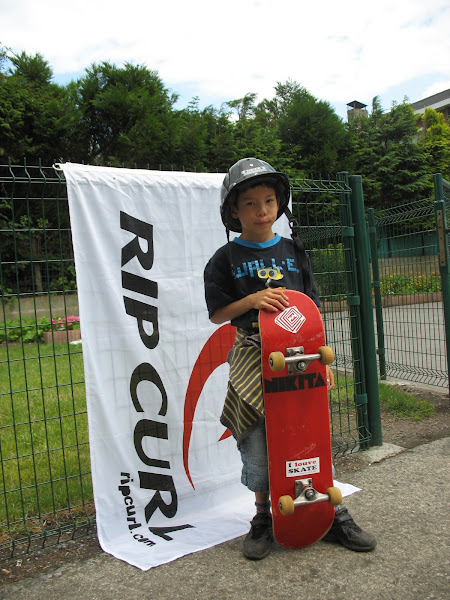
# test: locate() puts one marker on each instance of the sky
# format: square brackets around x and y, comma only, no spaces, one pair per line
[220,51]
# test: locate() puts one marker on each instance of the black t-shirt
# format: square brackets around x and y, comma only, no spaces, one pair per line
[224,286]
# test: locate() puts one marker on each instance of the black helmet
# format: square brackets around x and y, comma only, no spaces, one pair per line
[243,174]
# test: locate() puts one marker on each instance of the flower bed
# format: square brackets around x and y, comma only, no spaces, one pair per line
[64,329]
[63,323]
[61,336]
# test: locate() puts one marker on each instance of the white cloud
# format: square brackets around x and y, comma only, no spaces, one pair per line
[337,50]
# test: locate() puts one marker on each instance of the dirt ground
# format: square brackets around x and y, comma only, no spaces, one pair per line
[401,432]
[407,433]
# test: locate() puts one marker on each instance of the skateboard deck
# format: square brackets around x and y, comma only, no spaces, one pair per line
[297,421]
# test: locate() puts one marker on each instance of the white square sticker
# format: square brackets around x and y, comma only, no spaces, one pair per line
[305,466]
[290,319]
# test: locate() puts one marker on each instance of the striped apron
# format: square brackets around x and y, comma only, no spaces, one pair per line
[244,402]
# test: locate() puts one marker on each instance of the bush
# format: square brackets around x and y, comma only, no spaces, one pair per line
[24,329]
[68,282]
[414,283]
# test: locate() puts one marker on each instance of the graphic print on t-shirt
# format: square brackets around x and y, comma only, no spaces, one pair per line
[251,268]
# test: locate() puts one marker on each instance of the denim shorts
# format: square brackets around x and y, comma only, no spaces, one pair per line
[253,449]
[255,467]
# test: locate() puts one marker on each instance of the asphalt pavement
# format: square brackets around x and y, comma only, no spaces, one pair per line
[404,501]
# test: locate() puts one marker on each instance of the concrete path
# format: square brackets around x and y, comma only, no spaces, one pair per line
[404,502]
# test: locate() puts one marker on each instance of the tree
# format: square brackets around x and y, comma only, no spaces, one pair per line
[36,117]
[435,142]
[203,138]
[313,137]
[36,120]
[125,115]
[366,143]
[387,155]
[219,142]
[33,69]
[244,107]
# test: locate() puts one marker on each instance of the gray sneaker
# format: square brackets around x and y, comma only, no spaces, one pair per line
[346,532]
[259,540]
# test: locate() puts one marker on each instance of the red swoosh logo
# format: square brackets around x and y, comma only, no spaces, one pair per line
[213,354]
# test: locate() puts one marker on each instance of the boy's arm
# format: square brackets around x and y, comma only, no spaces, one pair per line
[330,374]
[271,299]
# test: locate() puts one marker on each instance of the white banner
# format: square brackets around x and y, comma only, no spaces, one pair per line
[166,481]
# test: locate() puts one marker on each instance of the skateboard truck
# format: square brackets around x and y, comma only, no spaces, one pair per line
[306,494]
[297,361]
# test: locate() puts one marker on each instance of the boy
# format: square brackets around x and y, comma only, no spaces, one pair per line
[254,196]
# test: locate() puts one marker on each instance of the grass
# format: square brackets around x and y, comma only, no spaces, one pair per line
[44,450]
[392,399]
[404,405]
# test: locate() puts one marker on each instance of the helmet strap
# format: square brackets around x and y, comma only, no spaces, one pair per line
[233,272]
[301,252]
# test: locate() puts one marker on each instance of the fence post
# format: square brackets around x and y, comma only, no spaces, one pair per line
[353,301]
[443,255]
[365,292]
[377,292]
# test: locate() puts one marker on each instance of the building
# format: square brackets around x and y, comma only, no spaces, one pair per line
[356,109]
[440,102]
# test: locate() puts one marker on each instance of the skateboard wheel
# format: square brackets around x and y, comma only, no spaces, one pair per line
[276,361]
[335,496]
[286,505]
[327,355]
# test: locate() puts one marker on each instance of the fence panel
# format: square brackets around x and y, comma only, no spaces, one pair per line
[45,480]
[411,335]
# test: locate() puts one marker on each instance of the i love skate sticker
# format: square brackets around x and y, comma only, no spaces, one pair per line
[290,319]
[305,466]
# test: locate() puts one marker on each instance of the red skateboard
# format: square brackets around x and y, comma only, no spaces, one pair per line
[294,356]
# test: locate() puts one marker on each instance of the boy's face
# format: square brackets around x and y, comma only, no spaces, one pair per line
[257,209]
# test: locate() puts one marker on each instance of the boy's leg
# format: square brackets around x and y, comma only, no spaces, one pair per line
[261,498]
[259,540]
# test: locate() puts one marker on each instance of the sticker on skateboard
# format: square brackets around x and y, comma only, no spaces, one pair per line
[297,468]
[290,319]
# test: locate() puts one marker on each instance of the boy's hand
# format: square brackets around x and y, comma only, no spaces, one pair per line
[271,299]
[330,378]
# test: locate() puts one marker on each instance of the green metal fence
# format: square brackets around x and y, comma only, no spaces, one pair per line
[410,277]
[45,480]
[324,212]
